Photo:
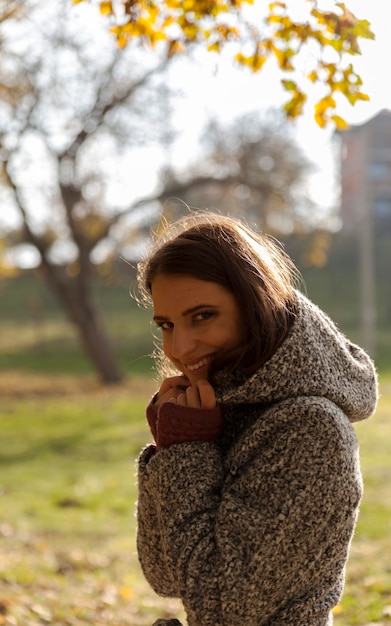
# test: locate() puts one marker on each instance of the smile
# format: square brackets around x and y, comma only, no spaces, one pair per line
[197,366]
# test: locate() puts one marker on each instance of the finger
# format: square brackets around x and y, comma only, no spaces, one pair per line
[182,381]
[193,397]
[172,383]
[170,395]
[206,394]
[181,399]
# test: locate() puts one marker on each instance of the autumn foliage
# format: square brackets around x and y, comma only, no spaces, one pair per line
[331,37]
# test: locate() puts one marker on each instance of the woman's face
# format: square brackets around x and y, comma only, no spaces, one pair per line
[198,320]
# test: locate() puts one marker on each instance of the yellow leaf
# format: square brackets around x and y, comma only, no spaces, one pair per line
[224,31]
[324,105]
[294,106]
[175,47]
[289,85]
[339,122]
[115,30]
[351,95]
[278,54]
[313,76]
[121,33]
[274,19]
[362,96]
[189,29]
[363,29]
[106,8]
[214,47]
[320,119]
[322,109]
[257,62]
[168,21]
[122,40]
[254,62]
[277,4]
[155,36]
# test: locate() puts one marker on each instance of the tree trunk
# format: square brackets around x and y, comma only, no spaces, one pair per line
[74,296]
[76,300]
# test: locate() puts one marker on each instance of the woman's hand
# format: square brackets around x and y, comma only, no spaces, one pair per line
[200,397]
[171,388]
[179,390]
[184,412]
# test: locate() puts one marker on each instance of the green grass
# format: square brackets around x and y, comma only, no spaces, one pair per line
[67,474]
[35,335]
[68,492]
[367,597]
[53,348]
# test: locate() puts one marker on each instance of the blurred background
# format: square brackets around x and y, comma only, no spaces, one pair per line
[97,145]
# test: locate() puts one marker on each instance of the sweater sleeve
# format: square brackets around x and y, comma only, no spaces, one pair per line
[241,540]
[160,512]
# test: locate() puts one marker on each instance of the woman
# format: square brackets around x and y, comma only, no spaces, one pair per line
[249,496]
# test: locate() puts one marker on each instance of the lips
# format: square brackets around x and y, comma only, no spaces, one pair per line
[199,364]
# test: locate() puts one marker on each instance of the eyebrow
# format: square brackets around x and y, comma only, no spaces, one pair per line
[190,311]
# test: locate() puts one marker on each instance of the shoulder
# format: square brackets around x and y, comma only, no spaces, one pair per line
[312,428]
[315,416]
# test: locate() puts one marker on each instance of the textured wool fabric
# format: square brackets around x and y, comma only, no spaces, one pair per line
[254,529]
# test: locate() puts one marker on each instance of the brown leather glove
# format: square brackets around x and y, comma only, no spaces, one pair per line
[171,423]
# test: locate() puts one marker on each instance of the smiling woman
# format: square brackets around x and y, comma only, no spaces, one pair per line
[228,258]
[200,319]
[248,497]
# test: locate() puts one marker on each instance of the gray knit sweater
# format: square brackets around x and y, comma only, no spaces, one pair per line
[254,530]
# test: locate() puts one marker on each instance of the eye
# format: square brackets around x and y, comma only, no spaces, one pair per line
[203,316]
[164,326]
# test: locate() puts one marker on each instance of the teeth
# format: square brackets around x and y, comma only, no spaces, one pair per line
[197,366]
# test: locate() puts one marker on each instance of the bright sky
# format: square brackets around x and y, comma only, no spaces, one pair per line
[218,89]
[214,87]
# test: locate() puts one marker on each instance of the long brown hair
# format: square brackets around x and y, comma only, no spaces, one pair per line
[253,267]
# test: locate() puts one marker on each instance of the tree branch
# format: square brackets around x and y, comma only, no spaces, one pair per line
[99,111]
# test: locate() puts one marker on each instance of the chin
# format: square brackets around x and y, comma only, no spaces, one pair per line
[194,377]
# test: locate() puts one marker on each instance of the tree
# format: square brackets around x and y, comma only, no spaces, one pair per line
[10,9]
[331,35]
[251,168]
[71,119]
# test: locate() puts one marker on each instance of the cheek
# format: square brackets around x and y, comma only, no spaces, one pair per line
[166,345]
[227,336]
[235,334]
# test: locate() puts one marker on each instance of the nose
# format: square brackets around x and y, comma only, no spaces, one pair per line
[182,343]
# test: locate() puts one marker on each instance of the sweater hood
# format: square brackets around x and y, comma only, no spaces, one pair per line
[316,359]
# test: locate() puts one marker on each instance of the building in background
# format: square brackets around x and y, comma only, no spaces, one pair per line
[365,174]
[365,178]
